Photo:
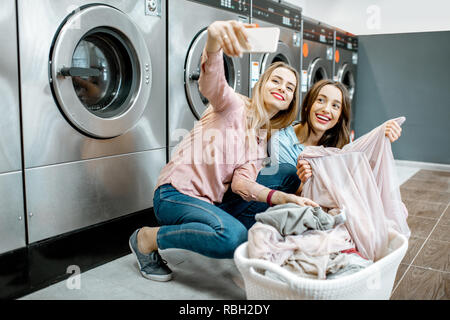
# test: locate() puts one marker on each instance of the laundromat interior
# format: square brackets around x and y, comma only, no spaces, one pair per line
[80,158]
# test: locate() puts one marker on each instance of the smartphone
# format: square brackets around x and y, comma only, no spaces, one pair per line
[263,39]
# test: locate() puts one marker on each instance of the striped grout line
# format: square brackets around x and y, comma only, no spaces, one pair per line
[430,269]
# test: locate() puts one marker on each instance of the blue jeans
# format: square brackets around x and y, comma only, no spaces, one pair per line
[213,230]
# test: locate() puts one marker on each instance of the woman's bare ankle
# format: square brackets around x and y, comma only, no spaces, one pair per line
[146,239]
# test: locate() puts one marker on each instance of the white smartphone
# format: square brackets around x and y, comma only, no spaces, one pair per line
[263,39]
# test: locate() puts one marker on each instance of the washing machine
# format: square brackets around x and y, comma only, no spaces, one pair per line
[12,221]
[187,33]
[317,53]
[346,60]
[287,18]
[92,76]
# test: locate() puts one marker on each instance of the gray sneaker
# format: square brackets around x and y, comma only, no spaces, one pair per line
[151,266]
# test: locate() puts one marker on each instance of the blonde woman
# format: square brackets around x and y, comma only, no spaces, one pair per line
[207,195]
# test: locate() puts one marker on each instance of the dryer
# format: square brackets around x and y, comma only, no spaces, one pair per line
[93,110]
[346,60]
[317,53]
[12,220]
[187,33]
[267,13]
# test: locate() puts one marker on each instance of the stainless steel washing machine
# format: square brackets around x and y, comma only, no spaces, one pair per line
[93,109]
[346,60]
[317,53]
[267,13]
[12,221]
[187,34]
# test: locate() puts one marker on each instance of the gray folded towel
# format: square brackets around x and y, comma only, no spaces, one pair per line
[293,219]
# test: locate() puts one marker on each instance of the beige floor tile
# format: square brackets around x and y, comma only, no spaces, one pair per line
[428,196]
[424,209]
[414,245]
[445,219]
[422,284]
[430,185]
[400,272]
[435,254]
[442,232]
[420,227]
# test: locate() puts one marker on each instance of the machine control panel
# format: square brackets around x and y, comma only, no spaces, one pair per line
[237,6]
[317,31]
[346,40]
[277,13]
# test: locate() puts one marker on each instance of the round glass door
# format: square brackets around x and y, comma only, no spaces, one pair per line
[282,54]
[346,76]
[197,102]
[107,94]
[100,71]
[318,75]
[316,72]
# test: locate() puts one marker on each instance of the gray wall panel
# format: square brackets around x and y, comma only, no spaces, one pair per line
[407,75]
[12,225]
[10,158]
[12,220]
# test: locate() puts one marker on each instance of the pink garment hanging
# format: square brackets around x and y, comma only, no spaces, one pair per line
[360,177]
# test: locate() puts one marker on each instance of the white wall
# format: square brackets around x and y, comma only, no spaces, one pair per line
[380,16]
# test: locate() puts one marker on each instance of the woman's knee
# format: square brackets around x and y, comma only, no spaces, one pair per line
[229,240]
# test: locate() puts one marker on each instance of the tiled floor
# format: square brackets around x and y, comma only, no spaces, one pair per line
[423,274]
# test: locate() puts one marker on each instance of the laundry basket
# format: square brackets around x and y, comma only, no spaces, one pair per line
[375,282]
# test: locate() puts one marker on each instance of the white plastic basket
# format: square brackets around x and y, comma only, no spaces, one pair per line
[372,283]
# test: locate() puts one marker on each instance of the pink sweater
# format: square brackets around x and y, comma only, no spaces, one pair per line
[215,153]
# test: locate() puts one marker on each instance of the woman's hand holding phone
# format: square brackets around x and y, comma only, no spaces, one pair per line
[230,35]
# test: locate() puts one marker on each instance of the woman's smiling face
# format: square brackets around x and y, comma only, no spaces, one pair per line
[326,109]
[279,89]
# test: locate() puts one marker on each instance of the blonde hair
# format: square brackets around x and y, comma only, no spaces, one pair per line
[257,115]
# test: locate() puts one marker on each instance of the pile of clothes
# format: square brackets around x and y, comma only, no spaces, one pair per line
[356,187]
[306,241]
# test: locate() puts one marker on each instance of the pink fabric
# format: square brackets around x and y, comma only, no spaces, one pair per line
[306,254]
[215,152]
[268,243]
[360,177]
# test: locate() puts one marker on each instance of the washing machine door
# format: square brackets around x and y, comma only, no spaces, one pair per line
[317,71]
[100,71]
[283,53]
[346,75]
[197,102]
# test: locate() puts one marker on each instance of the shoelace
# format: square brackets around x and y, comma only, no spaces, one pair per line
[160,261]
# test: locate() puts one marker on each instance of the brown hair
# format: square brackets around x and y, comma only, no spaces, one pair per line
[339,135]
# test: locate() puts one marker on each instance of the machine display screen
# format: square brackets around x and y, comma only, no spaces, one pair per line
[314,31]
[277,13]
[346,41]
[236,6]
